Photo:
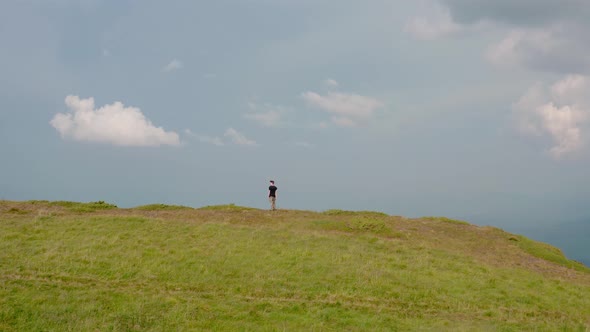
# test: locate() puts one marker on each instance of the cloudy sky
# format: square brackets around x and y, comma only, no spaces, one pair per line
[472,109]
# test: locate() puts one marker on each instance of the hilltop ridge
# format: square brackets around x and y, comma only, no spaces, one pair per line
[227,267]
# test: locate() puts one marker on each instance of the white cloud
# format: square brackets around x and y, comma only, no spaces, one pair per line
[266,114]
[573,89]
[267,119]
[206,139]
[560,111]
[114,124]
[348,109]
[233,135]
[543,36]
[211,140]
[555,48]
[172,66]
[563,125]
[506,52]
[238,138]
[344,104]
[331,83]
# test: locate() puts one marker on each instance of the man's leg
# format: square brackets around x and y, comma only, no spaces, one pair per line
[273,203]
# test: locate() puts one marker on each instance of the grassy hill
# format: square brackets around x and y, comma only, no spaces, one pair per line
[571,236]
[68,266]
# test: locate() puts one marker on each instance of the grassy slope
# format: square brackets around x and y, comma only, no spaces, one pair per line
[87,267]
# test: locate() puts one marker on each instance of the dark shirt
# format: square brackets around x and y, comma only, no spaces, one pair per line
[271,191]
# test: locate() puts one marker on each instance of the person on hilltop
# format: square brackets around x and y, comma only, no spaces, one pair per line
[272,195]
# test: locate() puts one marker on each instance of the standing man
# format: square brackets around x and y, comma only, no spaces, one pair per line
[272,195]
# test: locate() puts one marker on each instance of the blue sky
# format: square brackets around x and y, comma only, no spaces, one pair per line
[474,109]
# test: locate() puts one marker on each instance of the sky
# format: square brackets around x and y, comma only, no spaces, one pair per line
[471,109]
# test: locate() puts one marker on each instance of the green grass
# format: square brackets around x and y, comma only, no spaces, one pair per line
[162,207]
[445,219]
[547,252]
[84,207]
[215,270]
[227,207]
[335,212]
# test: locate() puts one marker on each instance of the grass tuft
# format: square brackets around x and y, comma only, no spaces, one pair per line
[367,224]
[336,212]
[162,207]
[547,252]
[37,202]
[226,207]
[447,220]
[17,211]
[84,207]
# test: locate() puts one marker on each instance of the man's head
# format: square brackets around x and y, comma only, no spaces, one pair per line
[272,182]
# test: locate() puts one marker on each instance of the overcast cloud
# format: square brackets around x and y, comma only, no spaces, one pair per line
[545,36]
[519,12]
[560,111]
